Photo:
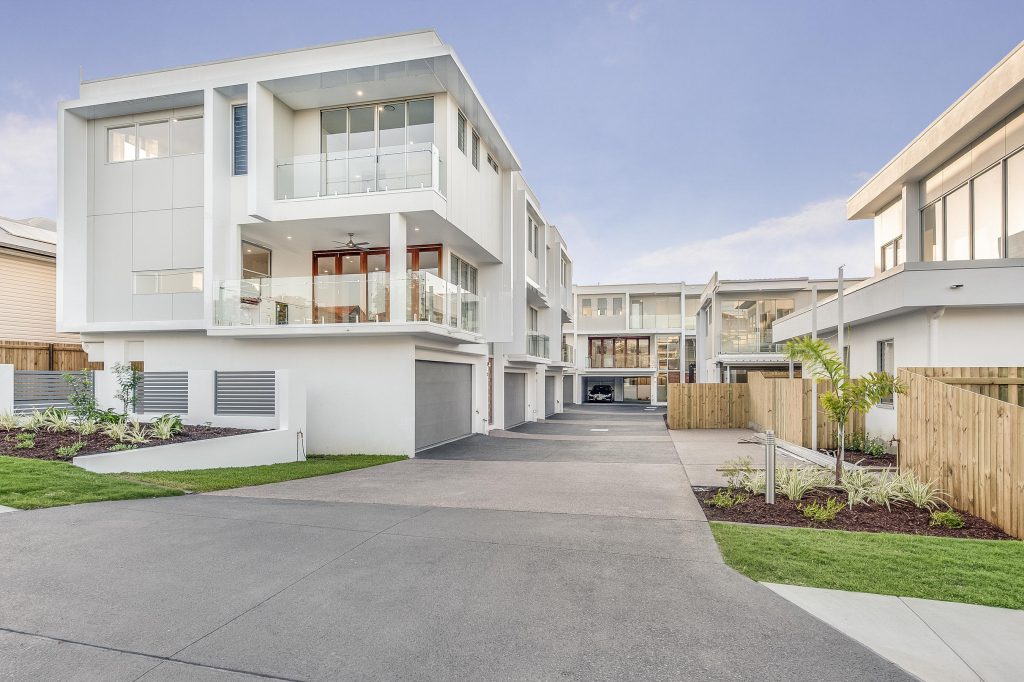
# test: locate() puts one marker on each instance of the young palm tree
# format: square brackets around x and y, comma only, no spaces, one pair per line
[822,361]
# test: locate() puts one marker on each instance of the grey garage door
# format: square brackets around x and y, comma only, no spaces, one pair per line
[515,399]
[444,402]
[549,396]
[567,389]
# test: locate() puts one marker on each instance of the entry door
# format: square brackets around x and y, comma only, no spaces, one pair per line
[350,286]
[549,396]
[444,402]
[515,399]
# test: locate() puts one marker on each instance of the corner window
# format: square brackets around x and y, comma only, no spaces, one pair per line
[240,139]
[476,151]
[462,132]
[167,282]
[886,363]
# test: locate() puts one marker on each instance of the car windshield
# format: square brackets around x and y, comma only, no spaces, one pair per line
[601,389]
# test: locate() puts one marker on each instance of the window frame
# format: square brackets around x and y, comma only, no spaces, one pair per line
[885,349]
[475,148]
[460,131]
[234,142]
[270,259]
[895,245]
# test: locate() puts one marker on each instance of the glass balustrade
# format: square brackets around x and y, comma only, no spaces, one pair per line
[344,299]
[537,344]
[568,354]
[359,171]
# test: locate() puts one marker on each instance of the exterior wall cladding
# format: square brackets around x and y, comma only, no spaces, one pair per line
[346,212]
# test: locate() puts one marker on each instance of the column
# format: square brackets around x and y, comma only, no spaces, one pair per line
[397,279]
[912,221]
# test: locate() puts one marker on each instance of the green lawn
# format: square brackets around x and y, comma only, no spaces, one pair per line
[205,480]
[972,571]
[34,484]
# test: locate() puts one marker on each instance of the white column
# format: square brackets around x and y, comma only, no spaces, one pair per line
[397,242]
[912,221]
[6,389]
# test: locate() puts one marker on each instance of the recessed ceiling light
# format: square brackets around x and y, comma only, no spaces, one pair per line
[416,229]
[359,93]
[289,236]
[248,250]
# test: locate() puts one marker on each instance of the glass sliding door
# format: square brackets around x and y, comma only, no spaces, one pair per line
[420,132]
[362,143]
[391,146]
[334,147]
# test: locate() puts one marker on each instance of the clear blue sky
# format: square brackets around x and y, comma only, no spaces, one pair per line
[666,139]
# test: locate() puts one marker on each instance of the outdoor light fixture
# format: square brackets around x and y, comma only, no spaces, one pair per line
[956,286]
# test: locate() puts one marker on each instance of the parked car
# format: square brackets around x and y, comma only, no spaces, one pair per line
[601,393]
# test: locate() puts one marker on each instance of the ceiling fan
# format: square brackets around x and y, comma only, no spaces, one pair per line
[350,244]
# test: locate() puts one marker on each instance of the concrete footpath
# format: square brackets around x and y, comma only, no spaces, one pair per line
[936,641]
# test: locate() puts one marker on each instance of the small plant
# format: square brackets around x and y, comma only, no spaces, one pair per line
[874,447]
[886,490]
[127,382]
[920,494]
[166,426]
[725,498]
[136,432]
[34,421]
[26,440]
[122,446]
[822,513]
[795,482]
[108,416]
[116,430]
[8,421]
[68,451]
[755,483]
[946,518]
[82,396]
[735,470]
[858,484]
[57,420]
[855,441]
[87,427]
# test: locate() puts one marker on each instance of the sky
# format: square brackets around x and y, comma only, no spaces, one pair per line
[665,139]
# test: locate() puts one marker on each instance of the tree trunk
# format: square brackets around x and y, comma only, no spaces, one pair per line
[841,453]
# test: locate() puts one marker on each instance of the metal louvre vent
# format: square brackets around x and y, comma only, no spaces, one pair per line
[39,389]
[245,393]
[162,392]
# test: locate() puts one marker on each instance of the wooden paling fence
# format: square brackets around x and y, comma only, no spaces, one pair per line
[29,355]
[970,442]
[707,406]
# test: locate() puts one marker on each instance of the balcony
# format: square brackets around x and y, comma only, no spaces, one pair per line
[619,361]
[568,354]
[654,321]
[537,345]
[335,174]
[360,299]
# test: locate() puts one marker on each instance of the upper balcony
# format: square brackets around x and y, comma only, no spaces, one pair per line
[360,172]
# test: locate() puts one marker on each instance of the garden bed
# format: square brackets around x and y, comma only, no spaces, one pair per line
[47,442]
[872,518]
[865,460]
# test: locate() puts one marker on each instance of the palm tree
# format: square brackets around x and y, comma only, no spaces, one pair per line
[822,361]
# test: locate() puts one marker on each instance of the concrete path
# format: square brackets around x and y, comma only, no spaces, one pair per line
[494,558]
[934,640]
[703,452]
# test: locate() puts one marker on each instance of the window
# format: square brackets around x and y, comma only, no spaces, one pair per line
[255,261]
[1015,206]
[154,140]
[564,274]
[462,133]
[168,282]
[886,363]
[987,209]
[187,136]
[933,239]
[492,163]
[463,274]
[585,309]
[616,306]
[958,224]
[620,352]
[532,235]
[240,139]
[602,307]
[891,254]
[476,151]
[534,319]
[121,143]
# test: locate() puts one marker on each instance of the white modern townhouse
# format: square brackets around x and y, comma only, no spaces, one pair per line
[948,211]
[350,213]
[735,320]
[628,342]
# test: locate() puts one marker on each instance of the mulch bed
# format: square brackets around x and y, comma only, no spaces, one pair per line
[47,442]
[865,460]
[904,518]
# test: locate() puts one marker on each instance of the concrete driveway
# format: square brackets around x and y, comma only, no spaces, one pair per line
[518,556]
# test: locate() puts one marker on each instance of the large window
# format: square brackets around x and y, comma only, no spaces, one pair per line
[747,324]
[255,261]
[620,352]
[155,139]
[240,139]
[655,312]
[463,274]
[601,306]
[886,363]
[167,281]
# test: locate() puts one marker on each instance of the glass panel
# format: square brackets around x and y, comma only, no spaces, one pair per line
[334,147]
[154,140]
[429,261]
[187,136]
[988,214]
[421,124]
[645,353]
[585,309]
[616,306]
[240,140]
[255,261]
[958,227]
[620,353]
[932,232]
[1015,206]
[391,159]
[326,265]
[888,254]
[602,307]
[351,264]
[377,287]
[121,144]
[362,150]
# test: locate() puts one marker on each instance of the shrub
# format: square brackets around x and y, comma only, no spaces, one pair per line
[127,381]
[823,513]
[8,421]
[725,498]
[26,440]
[87,427]
[34,421]
[795,482]
[166,426]
[922,495]
[947,519]
[116,430]
[136,432]
[875,447]
[887,489]
[108,416]
[858,485]
[82,397]
[57,420]
[734,470]
[855,441]
[122,446]
[755,483]
[68,451]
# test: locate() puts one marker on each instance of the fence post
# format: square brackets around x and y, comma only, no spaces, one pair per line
[769,467]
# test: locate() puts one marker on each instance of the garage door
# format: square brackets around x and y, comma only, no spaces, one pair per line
[549,396]
[444,402]
[515,399]
[567,389]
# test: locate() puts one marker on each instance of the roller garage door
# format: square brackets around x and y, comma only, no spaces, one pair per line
[444,402]
[549,396]
[567,389]
[515,399]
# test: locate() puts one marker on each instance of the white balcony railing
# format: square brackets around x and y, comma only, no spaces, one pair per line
[360,172]
[537,344]
[344,299]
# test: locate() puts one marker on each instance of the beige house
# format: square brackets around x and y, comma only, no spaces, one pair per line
[28,281]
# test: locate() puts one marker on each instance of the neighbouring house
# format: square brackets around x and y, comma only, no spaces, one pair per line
[28,281]
[948,211]
[350,213]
